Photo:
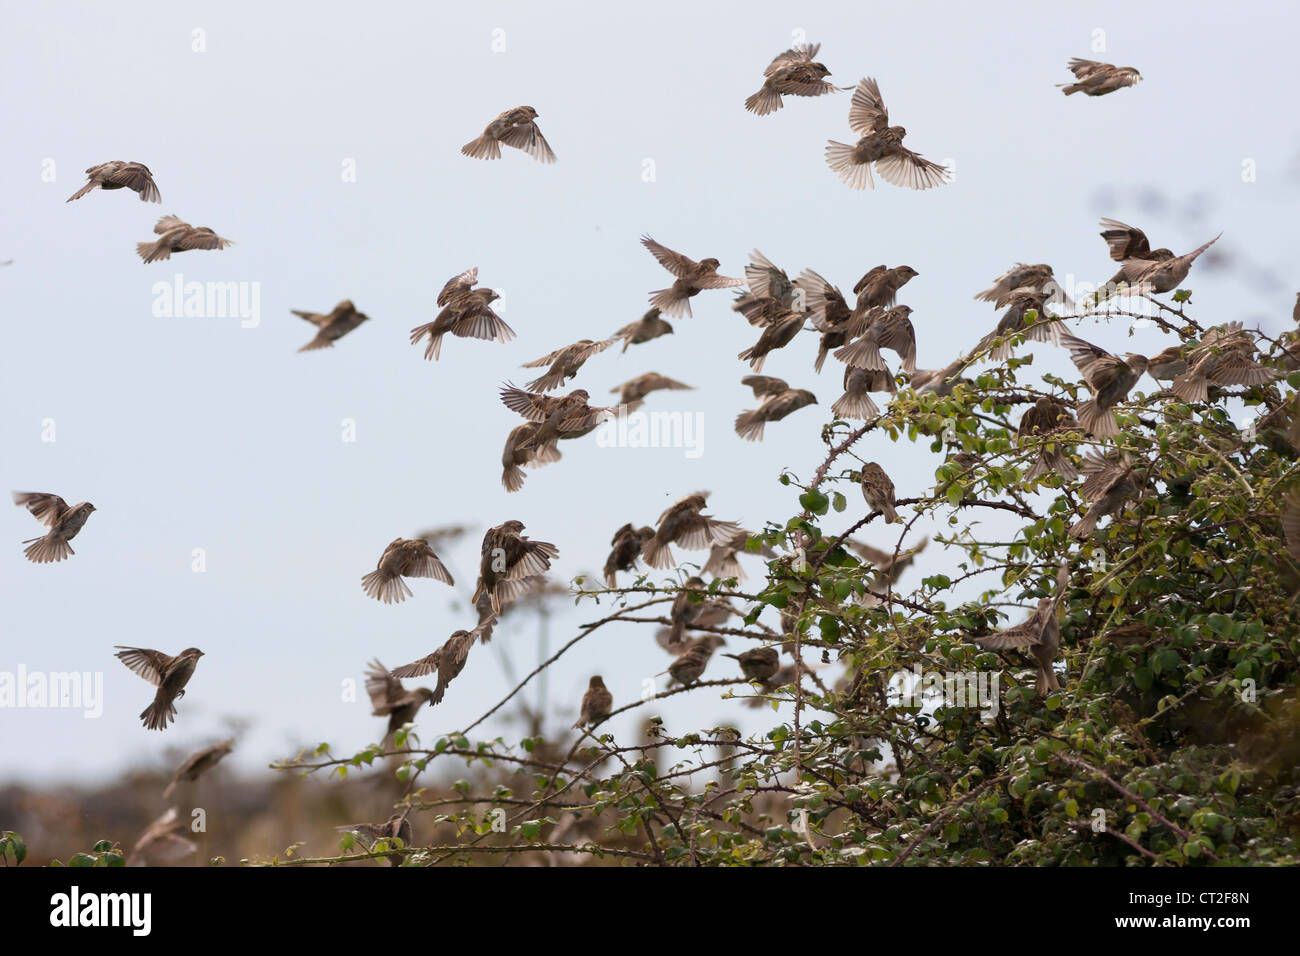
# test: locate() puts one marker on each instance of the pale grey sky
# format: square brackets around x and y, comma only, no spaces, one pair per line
[196,433]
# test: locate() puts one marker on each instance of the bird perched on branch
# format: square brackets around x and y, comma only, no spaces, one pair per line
[176,235]
[793,73]
[597,702]
[332,325]
[197,764]
[1109,377]
[692,278]
[878,490]
[881,145]
[515,127]
[683,524]
[1040,634]
[403,558]
[759,663]
[390,699]
[168,674]
[64,521]
[690,663]
[1098,79]
[119,175]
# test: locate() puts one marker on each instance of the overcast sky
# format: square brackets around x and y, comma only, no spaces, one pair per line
[198,433]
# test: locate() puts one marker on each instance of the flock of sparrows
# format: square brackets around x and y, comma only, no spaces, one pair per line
[858,335]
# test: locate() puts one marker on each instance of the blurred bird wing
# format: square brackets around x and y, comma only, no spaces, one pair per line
[427,565]
[1026,634]
[384,689]
[1082,68]
[535,408]
[201,238]
[149,664]
[818,292]
[871,555]
[867,112]
[875,273]
[134,176]
[457,286]
[45,508]
[1100,472]
[799,53]
[1124,241]
[1086,356]
[168,223]
[653,381]
[766,278]
[902,167]
[421,668]
[716,281]
[1236,368]
[764,385]
[676,263]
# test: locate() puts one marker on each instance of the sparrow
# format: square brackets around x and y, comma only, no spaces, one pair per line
[403,558]
[1126,243]
[1225,356]
[1016,320]
[178,236]
[758,664]
[1109,377]
[1098,79]
[597,702]
[1037,277]
[776,406]
[390,699]
[523,448]
[889,567]
[829,312]
[625,547]
[713,613]
[764,385]
[878,490]
[684,524]
[880,144]
[771,294]
[448,660]
[782,678]
[1043,420]
[879,287]
[1109,482]
[793,73]
[508,558]
[168,674]
[163,841]
[1142,274]
[940,381]
[1040,634]
[1167,364]
[564,363]
[63,521]
[692,278]
[690,664]
[117,174]
[567,416]
[859,383]
[1295,310]
[331,326]
[778,334]
[197,764]
[649,326]
[632,392]
[396,827]
[891,329]
[723,563]
[466,313]
[517,128]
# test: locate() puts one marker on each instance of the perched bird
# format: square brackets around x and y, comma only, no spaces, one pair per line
[178,236]
[396,827]
[117,175]
[390,699]
[690,663]
[878,490]
[466,313]
[597,702]
[1109,377]
[692,278]
[564,363]
[1225,356]
[778,334]
[1153,272]
[524,448]
[891,329]
[759,663]
[1098,79]
[879,287]
[197,764]
[793,73]
[517,128]
[723,562]
[64,522]
[683,523]
[1043,420]
[880,144]
[1036,277]
[782,678]
[168,674]
[1016,320]
[713,613]
[625,547]
[649,326]
[448,661]
[163,841]
[508,558]
[631,394]
[1040,634]
[332,325]
[403,558]
[859,383]
[751,422]
[1109,482]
